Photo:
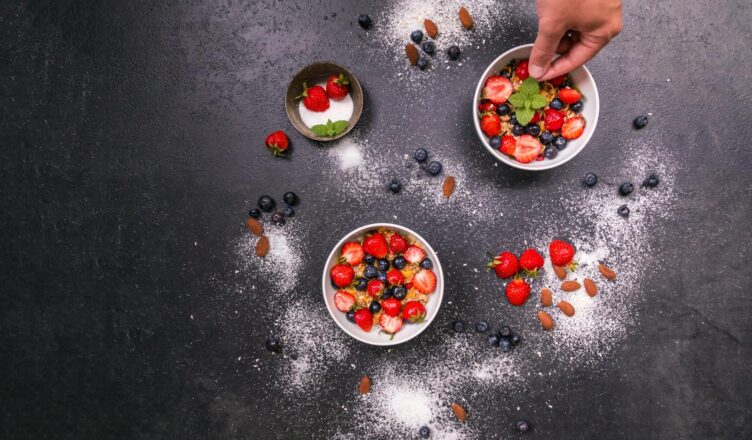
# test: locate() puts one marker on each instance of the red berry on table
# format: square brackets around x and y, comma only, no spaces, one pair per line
[390,324]
[425,281]
[517,292]
[391,306]
[314,98]
[490,123]
[397,244]
[375,245]
[497,89]
[277,142]
[337,87]
[414,254]
[569,96]
[508,145]
[505,265]
[344,301]
[414,311]
[553,119]
[559,80]
[352,253]
[342,275]
[375,288]
[364,319]
[531,261]
[521,70]
[486,106]
[573,127]
[561,253]
[395,277]
[527,148]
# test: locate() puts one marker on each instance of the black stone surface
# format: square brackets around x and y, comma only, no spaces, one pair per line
[132,130]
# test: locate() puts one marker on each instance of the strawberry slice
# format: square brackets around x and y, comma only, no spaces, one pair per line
[391,306]
[397,244]
[414,254]
[521,70]
[352,253]
[553,119]
[508,145]
[569,96]
[376,245]
[390,324]
[395,277]
[364,319]
[344,301]
[425,281]
[486,106]
[528,148]
[573,127]
[497,89]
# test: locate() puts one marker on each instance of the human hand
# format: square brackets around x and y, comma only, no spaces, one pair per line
[577,30]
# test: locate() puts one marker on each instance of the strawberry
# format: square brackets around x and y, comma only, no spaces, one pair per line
[561,253]
[521,70]
[531,261]
[337,86]
[559,80]
[536,118]
[390,324]
[490,123]
[425,281]
[391,306]
[314,98]
[517,291]
[277,142]
[505,265]
[414,311]
[364,319]
[527,149]
[397,244]
[573,127]
[553,119]
[342,275]
[486,106]
[497,89]
[344,301]
[569,96]
[352,253]
[395,277]
[375,288]
[414,254]
[376,245]
[508,145]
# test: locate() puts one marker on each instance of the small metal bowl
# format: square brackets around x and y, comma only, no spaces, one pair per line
[317,73]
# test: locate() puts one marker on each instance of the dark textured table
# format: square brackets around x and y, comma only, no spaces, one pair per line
[132,139]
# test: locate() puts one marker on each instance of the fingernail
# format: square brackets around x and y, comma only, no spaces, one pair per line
[536,71]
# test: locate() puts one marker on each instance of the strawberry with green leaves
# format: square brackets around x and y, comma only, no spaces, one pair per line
[314,98]
[277,142]
[337,87]
[531,261]
[414,311]
[561,253]
[505,265]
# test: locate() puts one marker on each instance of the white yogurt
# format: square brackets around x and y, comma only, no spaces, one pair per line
[340,110]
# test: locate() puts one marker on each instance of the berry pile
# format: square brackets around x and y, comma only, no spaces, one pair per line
[383,279]
[267,204]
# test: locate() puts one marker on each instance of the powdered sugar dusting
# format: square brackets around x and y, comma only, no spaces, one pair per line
[283,261]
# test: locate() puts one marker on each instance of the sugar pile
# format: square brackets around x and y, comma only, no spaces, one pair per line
[283,261]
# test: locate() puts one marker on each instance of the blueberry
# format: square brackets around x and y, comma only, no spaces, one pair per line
[350,316]
[395,186]
[399,262]
[254,212]
[434,168]
[453,52]
[518,130]
[420,155]
[513,119]
[502,110]
[374,307]
[550,152]
[495,142]
[576,107]
[369,259]
[556,104]
[400,293]
[424,432]
[481,326]
[288,211]
[640,122]
[417,36]
[590,179]
[458,326]
[361,284]
[546,138]
[560,142]
[382,277]
[383,264]
[364,20]
[626,189]
[370,272]
[505,332]
[493,339]
[388,293]
[533,129]
[290,198]
[278,218]
[422,63]
[515,340]
[623,211]
[522,425]
[652,181]
[266,203]
[505,345]
[273,344]
[426,263]
[429,47]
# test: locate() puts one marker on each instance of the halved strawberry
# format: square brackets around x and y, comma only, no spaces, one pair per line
[573,127]
[390,324]
[344,301]
[553,119]
[397,244]
[364,319]
[391,306]
[414,254]
[490,123]
[521,70]
[486,106]
[569,96]
[395,277]
[342,275]
[508,145]
[528,148]
[375,245]
[375,288]
[414,311]
[425,281]
[497,89]
[352,253]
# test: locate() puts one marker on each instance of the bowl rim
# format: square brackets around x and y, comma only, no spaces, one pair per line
[438,295]
[552,163]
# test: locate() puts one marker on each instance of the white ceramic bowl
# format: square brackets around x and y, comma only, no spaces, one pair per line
[375,337]
[581,77]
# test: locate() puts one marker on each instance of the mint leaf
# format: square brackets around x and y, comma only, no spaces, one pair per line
[524,115]
[319,130]
[529,86]
[517,100]
[340,126]
[538,101]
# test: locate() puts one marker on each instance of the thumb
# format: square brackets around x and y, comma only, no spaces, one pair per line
[544,49]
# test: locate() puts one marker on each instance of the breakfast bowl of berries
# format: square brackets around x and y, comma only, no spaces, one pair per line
[383,284]
[534,125]
[324,101]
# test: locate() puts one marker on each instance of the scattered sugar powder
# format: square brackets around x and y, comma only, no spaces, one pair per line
[347,153]
[283,261]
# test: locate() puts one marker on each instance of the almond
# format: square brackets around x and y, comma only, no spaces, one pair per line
[449,185]
[459,412]
[570,286]
[607,272]
[546,320]
[365,385]
[254,226]
[262,247]
[546,297]
[561,272]
[465,18]
[431,28]
[590,287]
[412,54]
[566,307]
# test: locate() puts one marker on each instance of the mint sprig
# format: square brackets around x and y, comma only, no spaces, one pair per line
[330,128]
[527,100]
